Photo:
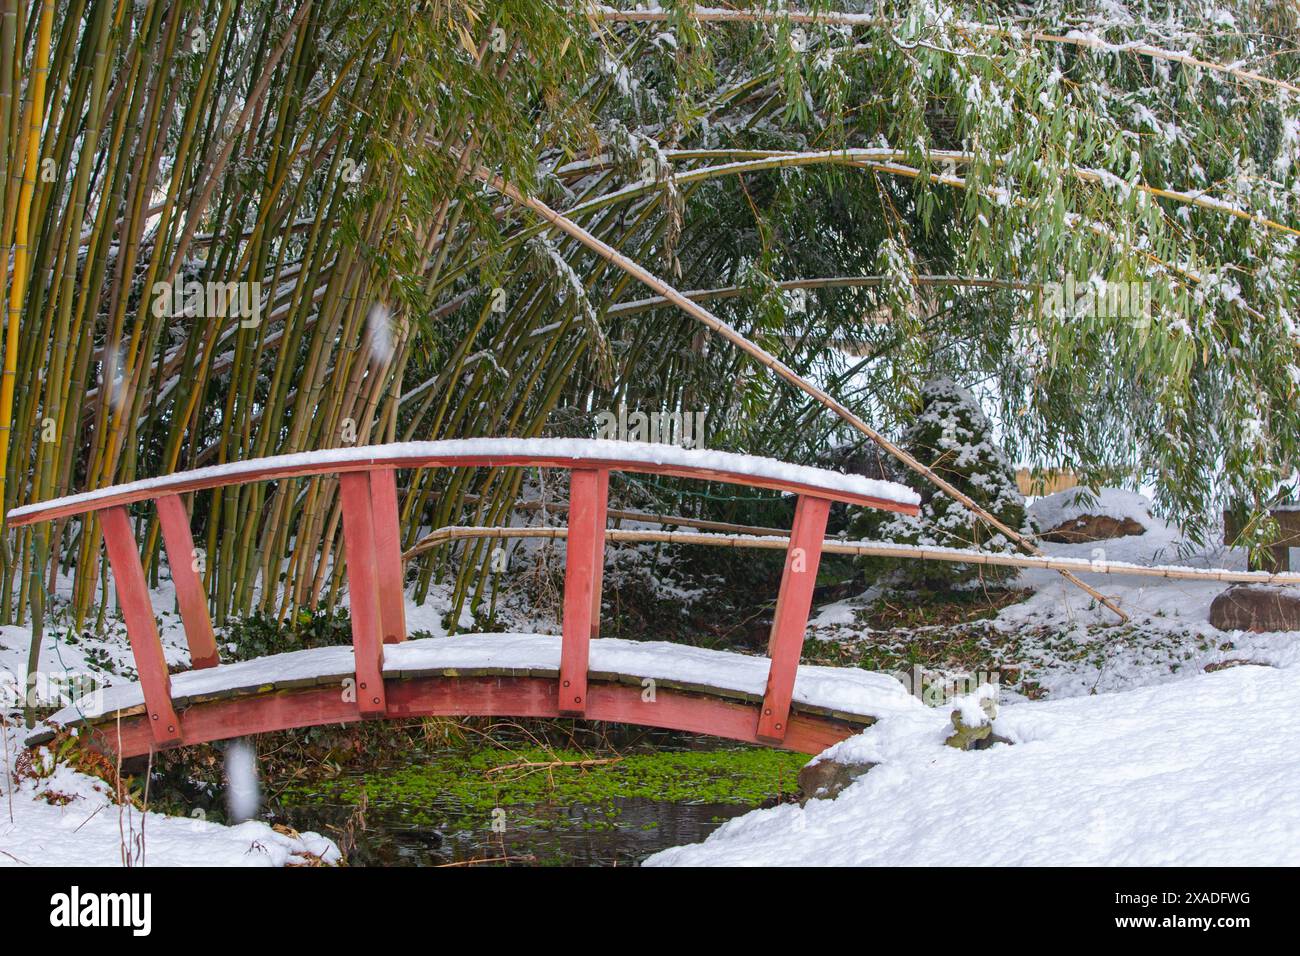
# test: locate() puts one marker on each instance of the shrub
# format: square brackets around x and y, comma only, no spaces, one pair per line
[955,438]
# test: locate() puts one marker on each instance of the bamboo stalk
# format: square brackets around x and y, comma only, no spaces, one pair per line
[822,282]
[779,542]
[22,233]
[771,362]
[435,538]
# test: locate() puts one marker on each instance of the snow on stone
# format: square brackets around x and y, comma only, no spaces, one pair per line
[1191,774]
[577,450]
[1051,511]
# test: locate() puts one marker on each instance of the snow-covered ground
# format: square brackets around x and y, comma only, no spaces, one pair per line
[1063,643]
[1199,772]
[69,819]
[1138,757]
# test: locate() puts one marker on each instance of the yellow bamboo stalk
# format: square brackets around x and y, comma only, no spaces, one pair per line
[18,285]
[882,549]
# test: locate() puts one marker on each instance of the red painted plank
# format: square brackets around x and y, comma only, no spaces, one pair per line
[141,628]
[598,560]
[184,481]
[363,591]
[190,598]
[579,585]
[388,545]
[237,717]
[791,618]
[475,697]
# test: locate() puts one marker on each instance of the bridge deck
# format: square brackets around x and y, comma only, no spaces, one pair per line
[851,695]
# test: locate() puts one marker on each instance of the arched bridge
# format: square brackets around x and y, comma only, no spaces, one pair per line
[770,700]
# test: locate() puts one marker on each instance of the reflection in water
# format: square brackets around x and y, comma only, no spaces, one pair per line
[623,832]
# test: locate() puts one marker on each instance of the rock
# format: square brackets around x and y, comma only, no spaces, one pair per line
[1255,607]
[824,779]
[978,735]
[1086,528]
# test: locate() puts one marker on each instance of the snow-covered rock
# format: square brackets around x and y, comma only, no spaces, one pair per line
[1077,510]
[1259,608]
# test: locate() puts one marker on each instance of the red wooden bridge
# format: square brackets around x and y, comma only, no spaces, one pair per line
[771,701]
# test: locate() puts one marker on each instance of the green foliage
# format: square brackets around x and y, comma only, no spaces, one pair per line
[260,636]
[738,776]
[955,438]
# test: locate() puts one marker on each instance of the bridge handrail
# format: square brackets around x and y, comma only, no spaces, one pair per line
[664,459]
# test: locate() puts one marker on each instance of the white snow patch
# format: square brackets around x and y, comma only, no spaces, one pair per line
[85,828]
[1195,773]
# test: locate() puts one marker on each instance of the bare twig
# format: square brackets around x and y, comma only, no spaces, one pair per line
[551,764]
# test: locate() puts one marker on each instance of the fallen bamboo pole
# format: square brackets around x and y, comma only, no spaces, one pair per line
[873,548]
[767,359]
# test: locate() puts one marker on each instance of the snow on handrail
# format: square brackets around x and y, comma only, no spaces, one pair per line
[655,458]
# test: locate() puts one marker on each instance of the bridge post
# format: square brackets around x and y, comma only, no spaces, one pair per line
[363,591]
[179,542]
[584,553]
[388,544]
[141,628]
[791,618]
[602,518]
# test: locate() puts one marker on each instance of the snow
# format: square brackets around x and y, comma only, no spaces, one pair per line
[1139,758]
[243,792]
[1052,511]
[84,827]
[1195,773]
[848,690]
[431,453]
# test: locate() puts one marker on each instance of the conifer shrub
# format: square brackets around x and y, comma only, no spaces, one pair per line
[955,438]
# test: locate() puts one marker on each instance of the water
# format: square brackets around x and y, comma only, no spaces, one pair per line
[578,835]
[458,809]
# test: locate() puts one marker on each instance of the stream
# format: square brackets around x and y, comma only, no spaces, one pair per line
[536,806]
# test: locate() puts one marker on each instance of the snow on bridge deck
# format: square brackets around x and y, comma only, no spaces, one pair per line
[849,694]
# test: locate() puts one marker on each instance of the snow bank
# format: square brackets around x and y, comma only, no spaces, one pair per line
[85,829]
[1194,773]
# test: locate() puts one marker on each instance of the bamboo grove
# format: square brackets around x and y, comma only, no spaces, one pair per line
[873,193]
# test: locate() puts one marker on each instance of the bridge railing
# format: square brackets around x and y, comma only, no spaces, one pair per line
[373,550]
